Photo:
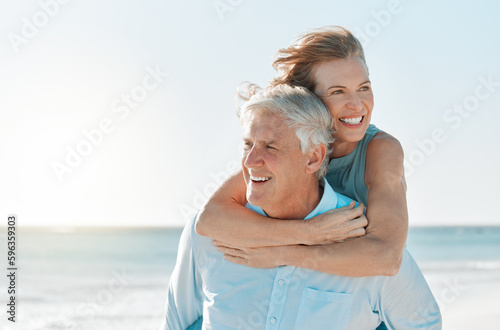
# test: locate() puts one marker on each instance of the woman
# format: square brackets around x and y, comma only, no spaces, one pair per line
[366,165]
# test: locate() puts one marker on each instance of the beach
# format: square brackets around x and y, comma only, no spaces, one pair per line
[117,278]
[467,299]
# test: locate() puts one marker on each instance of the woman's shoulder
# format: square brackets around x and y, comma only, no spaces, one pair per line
[384,145]
[384,160]
[385,140]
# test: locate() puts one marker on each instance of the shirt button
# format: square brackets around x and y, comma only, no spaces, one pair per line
[281,282]
[273,320]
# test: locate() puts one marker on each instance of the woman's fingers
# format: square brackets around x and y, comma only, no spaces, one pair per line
[236,256]
[356,232]
[346,213]
[359,222]
[342,209]
[355,212]
[231,251]
[219,243]
[361,207]
[357,226]
[337,225]
[236,260]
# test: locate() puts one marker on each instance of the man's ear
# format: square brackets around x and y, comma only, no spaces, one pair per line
[316,156]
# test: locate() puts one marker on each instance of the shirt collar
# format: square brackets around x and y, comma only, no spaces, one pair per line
[328,201]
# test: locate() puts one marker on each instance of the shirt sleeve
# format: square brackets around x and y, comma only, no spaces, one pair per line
[184,299]
[406,302]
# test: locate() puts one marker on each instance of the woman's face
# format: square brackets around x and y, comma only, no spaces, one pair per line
[345,88]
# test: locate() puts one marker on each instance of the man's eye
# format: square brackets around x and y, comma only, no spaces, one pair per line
[270,147]
[248,145]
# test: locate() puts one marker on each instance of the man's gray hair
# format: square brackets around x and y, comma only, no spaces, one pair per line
[301,110]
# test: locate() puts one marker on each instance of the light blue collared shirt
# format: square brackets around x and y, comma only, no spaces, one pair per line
[233,296]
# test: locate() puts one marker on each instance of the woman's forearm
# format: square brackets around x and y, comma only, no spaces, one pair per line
[226,219]
[362,256]
[236,225]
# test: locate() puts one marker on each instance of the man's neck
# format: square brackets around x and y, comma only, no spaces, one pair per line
[299,205]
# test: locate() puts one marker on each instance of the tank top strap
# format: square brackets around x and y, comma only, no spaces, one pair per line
[363,144]
[347,174]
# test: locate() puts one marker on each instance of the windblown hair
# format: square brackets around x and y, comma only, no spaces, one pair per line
[301,110]
[295,64]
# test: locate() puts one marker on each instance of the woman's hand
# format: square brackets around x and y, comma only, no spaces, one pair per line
[260,257]
[336,225]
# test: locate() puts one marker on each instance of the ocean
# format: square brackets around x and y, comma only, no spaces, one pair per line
[117,278]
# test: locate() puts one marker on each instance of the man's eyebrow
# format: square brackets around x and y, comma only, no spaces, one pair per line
[263,141]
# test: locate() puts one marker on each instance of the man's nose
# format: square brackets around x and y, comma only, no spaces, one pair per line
[253,158]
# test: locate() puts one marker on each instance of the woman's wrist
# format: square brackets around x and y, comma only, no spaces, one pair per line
[301,232]
[285,255]
[291,255]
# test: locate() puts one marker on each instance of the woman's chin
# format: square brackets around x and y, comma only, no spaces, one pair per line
[350,137]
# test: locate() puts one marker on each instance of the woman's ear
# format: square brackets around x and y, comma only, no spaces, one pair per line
[316,156]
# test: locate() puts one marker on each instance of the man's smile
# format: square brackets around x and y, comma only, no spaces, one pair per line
[259,178]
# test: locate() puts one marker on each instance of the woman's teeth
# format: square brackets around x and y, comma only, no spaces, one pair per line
[351,121]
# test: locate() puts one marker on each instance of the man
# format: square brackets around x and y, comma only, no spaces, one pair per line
[287,135]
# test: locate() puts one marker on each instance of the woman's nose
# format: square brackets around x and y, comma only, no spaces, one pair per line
[354,102]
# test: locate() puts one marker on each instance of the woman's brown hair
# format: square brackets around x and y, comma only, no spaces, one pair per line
[296,62]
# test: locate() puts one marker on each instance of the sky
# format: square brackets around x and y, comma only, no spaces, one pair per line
[121,113]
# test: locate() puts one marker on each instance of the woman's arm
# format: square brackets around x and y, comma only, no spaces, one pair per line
[379,252]
[226,219]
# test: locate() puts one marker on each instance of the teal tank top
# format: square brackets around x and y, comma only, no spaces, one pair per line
[346,174]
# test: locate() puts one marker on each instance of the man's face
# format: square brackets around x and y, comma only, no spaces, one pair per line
[273,164]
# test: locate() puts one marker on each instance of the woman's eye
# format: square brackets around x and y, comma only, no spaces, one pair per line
[365,88]
[336,92]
